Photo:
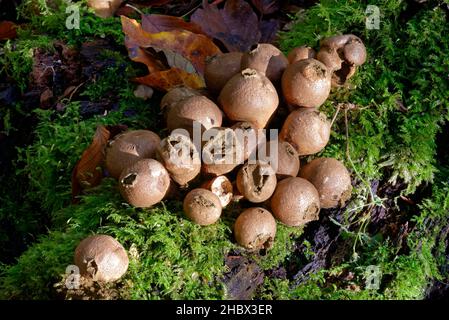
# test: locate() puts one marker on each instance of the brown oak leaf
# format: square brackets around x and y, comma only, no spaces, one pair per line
[7,30]
[88,170]
[194,47]
[267,6]
[236,25]
[154,23]
[173,58]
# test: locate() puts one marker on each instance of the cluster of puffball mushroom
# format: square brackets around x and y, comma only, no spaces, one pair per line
[244,91]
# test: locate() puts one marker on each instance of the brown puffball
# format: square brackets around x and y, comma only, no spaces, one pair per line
[101,258]
[222,151]
[220,68]
[202,206]
[255,228]
[145,183]
[342,54]
[307,130]
[257,181]
[180,157]
[295,202]
[250,138]
[267,59]
[194,109]
[104,8]
[332,180]
[175,95]
[222,188]
[128,148]
[249,96]
[300,53]
[306,83]
[285,158]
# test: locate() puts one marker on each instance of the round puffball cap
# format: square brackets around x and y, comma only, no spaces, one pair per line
[266,59]
[145,183]
[256,181]
[202,206]
[295,202]
[220,68]
[332,180]
[255,228]
[249,96]
[307,130]
[101,258]
[129,147]
[192,109]
[300,53]
[306,83]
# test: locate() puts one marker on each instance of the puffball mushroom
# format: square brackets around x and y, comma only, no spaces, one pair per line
[202,206]
[255,228]
[220,68]
[249,96]
[295,202]
[175,95]
[104,8]
[222,188]
[101,258]
[144,183]
[194,109]
[284,158]
[180,157]
[306,83]
[128,148]
[300,53]
[332,180]
[250,138]
[222,151]
[256,181]
[307,130]
[342,54]
[266,59]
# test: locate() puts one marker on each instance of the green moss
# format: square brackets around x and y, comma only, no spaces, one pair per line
[17,58]
[111,78]
[49,17]
[286,237]
[38,268]
[384,143]
[46,23]
[60,138]
[382,137]
[403,276]
[172,258]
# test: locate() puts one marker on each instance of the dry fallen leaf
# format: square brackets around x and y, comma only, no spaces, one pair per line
[185,53]
[154,3]
[161,79]
[154,23]
[7,30]
[194,47]
[267,6]
[138,54]
[167,79]
[88,170]
[236,25]
[269,30]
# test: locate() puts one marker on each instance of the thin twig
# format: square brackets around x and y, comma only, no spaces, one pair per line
[348,155]
[75,90]
[191,10]
[134,8]
[336,114]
